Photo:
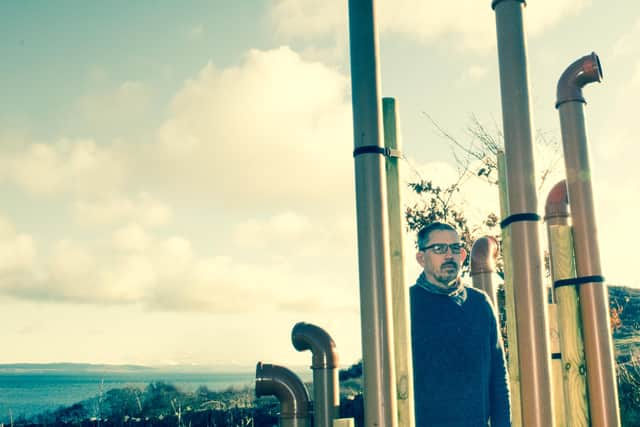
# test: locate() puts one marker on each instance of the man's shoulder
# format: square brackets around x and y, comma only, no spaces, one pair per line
[478,295]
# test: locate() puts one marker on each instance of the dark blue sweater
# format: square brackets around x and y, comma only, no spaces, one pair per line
[460,377]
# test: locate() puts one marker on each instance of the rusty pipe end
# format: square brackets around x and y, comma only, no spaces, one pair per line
[306,336]
[286,386]
[582,72]
[484,255]
[557,205]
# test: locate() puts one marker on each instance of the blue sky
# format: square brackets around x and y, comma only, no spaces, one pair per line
[177,178]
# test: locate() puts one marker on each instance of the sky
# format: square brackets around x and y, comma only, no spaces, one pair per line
[177,177]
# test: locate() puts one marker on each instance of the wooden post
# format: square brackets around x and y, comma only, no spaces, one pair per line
[559,414]
[576,403]
[509,299]
[399,297]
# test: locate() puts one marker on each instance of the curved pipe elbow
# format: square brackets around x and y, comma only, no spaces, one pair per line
[582,72]
[484,255]
[306,336]
[278,381]
[557,205]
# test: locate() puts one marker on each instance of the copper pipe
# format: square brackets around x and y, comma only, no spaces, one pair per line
[326,399]
[556,208]
[372,219]
[278,381]
[484,255]
[594,304]
[529,293]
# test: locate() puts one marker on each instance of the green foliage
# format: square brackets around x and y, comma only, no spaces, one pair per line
[353,371]
[629,392]
[441,204]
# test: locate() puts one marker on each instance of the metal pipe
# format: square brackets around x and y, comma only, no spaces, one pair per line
[400,298]
[484,255]
[594,304]
[573,397]
[326,399]
[278,381]
[529,293]
[371,212]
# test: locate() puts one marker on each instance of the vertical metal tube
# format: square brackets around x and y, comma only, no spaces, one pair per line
[594,304]
[400,300]
[371,212]
[529,293]
[484,255]
[326,399]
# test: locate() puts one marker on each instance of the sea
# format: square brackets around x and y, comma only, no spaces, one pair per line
[29,389]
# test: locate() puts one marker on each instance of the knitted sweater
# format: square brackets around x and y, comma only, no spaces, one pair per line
[460,377]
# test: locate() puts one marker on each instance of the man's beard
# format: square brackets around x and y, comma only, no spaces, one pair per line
[448,273]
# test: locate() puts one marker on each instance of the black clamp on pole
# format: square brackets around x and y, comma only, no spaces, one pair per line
[387,152]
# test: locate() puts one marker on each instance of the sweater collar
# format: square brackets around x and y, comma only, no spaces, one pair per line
[456,292]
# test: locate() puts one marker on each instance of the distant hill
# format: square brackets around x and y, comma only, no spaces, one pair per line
[90,368]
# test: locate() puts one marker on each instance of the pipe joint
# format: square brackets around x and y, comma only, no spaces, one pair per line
[582,72]
[286,386]
[484,255]
[306,336]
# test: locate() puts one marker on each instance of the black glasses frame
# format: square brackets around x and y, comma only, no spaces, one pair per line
[443,248]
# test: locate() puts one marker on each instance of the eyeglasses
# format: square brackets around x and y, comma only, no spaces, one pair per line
[442,248]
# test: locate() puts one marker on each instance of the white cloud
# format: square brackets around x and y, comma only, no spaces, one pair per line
[469,24]
[117,209]
[65,166]
[276,130]
[131,237]
[17,251]
[166,275]
[287,226]
[110,109]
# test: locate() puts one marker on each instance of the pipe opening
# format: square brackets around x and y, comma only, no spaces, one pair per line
[580,73]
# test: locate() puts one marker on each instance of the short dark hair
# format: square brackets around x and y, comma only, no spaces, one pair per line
[423,234]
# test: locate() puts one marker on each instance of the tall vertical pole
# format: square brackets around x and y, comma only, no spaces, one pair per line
[371,212]
[560,237]
[594,300]
[529,293]
[400,299]
[509,300]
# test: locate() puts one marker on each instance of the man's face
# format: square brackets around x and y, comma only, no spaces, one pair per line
[441,268]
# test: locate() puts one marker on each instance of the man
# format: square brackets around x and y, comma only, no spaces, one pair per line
[460,377]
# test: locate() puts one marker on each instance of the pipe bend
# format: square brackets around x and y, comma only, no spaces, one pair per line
[306,336]
[278,381]
[580,73]
[557,204]
[484,255]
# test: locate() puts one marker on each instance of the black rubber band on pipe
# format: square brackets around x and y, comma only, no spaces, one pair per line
[387,152]
[577,281]
[519,217]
